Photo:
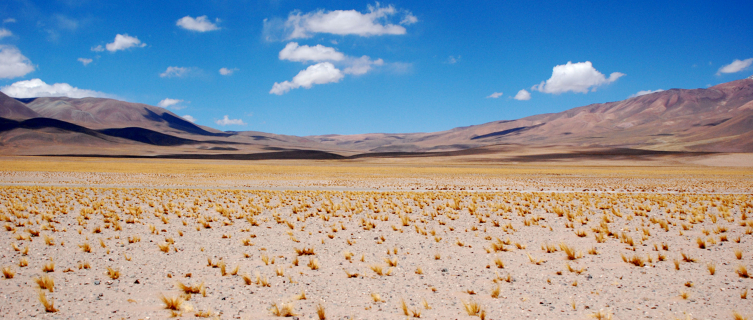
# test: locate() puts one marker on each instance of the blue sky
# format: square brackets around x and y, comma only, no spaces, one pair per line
[346,67]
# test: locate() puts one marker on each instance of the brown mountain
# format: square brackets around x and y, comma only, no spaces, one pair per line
[715,119]
[718,118]
[13,109]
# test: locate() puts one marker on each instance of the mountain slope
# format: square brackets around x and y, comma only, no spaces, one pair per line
[12,109]
[719,118]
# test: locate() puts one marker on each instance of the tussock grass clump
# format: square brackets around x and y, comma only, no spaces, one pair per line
[738,254]
[742,271]
[192,289]
[737,316]
[472,308]
[498,262]
[687,258]
[23,262]
[45,283]
[376,297]
[8,273]
[534,260]
[571,253]
[320,313]
[86,247]
[49,305]
[49,267]
[636,260]
[112,273]
[305,251]
[283,310]
[711,267]
[172,303]
[313,264]
[495,292]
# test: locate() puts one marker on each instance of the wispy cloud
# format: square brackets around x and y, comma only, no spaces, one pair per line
[176,72]
[495,95]
[227,121]
[199,24]
[735,66]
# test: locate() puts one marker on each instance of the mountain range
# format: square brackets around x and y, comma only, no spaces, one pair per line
[714,119]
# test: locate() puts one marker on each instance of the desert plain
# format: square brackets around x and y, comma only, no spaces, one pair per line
[451,238]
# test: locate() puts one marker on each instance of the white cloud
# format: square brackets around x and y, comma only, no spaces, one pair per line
[13,64]
[37,88]
[340,22]
[98,48]
[576,77]
[85,61]
[735,66]
[200,24]
[175,72]
[226,121]
[495,95]
[320,73]
[227,72]
[167,102]
[645,92]
[453,60]
[304,53]
[122,42]
[362,65]
[408,19]
[189,118]
[522,95]
[5,33]
[9,20]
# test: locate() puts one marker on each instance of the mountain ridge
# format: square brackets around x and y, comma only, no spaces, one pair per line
[715,119]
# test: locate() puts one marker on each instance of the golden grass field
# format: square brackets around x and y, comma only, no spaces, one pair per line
[113,238]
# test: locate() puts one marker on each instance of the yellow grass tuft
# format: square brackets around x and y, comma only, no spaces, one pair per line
[742,271]
[472,308]
[172,303]
[495,292]
[711,267]
[283,310]
[45,283]
[112,273]
[313,264]
[320,312]
[49,305]
[8,273]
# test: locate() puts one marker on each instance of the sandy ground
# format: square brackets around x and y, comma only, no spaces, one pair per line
[436,248]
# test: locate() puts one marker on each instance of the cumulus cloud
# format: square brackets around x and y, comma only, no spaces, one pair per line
[227,72]
[167,102]
[495,95]
[576,77]
[121,42]
[227,121]
[5,33]
[13,64]
[341,22]
[522,95]
[85,61]
[645,92]
[37,88]
[200,24]
[175,72]
[320,73]
[189,118]
[735,66]
[304,53]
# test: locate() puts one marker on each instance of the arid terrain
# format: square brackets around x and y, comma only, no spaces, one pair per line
[472,236]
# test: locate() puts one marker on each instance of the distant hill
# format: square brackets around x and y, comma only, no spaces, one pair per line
[715,119]
[719,118]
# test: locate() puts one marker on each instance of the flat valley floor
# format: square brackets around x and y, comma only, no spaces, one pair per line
[451,238]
